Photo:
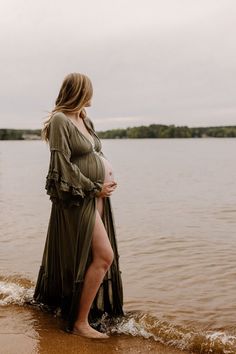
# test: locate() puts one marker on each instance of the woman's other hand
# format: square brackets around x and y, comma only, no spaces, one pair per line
[107,189]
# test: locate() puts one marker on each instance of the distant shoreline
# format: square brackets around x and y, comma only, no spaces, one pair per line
[156,131]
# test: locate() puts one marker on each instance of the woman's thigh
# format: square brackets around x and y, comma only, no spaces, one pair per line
[101,246]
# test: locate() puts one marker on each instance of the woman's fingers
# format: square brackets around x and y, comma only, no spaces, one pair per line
[111,183]
[110,190]
[109,187]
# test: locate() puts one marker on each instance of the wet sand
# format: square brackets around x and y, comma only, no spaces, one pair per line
[24,330]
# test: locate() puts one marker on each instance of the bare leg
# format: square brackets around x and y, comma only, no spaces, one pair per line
[102,259]
[100,206]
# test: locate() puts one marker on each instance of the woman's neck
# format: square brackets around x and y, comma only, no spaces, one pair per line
[75,116]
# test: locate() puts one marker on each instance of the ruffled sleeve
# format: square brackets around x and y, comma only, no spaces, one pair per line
[65,183]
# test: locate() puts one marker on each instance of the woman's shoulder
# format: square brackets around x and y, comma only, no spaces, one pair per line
[59,118]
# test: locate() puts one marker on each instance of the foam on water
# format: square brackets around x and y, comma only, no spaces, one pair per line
[182,337]
[14,291]
[18,291]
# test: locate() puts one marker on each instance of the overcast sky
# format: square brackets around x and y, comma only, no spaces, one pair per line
[152,61]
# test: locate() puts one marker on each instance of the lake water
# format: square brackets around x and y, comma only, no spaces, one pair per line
[175,216]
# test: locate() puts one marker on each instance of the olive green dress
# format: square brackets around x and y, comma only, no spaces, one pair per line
[75,174]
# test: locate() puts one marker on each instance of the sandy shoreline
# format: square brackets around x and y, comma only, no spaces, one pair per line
[26,331]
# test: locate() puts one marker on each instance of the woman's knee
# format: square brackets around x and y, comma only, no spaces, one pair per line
[105,259]
[109,258]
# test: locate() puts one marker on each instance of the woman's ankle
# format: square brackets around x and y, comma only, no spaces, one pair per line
[82,322]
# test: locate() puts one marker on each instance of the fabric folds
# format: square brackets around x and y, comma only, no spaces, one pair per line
[65,183]
[67,252]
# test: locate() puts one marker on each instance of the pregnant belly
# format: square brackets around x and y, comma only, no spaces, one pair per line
[109,174]
[95,166]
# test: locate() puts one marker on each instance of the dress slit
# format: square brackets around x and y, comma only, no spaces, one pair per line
[75,176]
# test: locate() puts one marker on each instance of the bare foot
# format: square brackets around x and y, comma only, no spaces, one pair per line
[85,330]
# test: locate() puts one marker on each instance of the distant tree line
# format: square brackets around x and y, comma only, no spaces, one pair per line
[19,134]
[169,131]
[151,131]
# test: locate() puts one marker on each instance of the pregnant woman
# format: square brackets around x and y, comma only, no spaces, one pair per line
[79,273]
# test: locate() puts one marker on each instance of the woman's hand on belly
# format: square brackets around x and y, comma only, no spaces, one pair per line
[107,189]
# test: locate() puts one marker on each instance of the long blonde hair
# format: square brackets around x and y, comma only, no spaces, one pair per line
[76,90]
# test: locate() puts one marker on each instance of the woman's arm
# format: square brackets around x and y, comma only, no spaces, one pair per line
[62,171]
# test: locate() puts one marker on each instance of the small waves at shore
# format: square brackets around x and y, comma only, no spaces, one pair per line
[18,291]
[182,337]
